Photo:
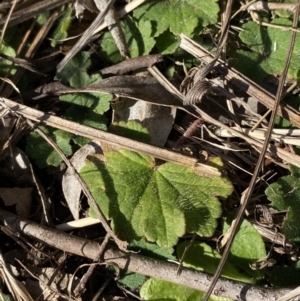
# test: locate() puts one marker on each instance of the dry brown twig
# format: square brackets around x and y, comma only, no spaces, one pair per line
[114,140]
[31,11]
[113,25]
[239,80]
[39,38]
[85,37]
[264,5]
[137,263]
[47,119]
[83,281]
[246,196]
[15,287]
[121,244]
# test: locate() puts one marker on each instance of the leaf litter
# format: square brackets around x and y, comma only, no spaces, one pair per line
[157,203]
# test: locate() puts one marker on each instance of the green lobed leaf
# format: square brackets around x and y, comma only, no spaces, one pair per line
[202,257]
[138,38]
[155,289]
[42,18]
[269,46]
[131,129]
[284,13]
[61,31]
[42,153]
[131,280]
[152,250]
[285,195]
[248,247]
[86,116]
[159,203]
[85,108]
[75,72]
[179,16]
[167,43]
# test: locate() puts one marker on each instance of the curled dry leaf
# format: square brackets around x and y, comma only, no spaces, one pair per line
[70,185]
[133,64]
[195,94]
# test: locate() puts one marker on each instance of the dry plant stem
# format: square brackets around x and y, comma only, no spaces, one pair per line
[114,27]
[133,64]
[16,288]
[121,244]
[137,263]
[284,155]
[242,8]
[275,151]
[256,18]
[127,292]
[101,289]
[49,282]
[261,120]
[239,80]
[291,295]
[32,49]
[164,82]
[79,289]
[246,197]
[7,19]
[85,37]
[201,85]
[272,235]
[46,218]
[114,140]
[185,252]
[122,12]
[156,152]
[23,42]
[44,283]
[286,137]
[13,235]
[32,11]
[188,133]
[21,62]
[26,37]
[264,5]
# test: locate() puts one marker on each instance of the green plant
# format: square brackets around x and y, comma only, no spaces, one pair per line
[158,202]
[85,108]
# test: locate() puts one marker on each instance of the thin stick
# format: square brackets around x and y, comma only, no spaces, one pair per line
[7,20]
[121,244]
[84,38]
[137,263]
[239,80]
[83,281]
[32,11]
[245,198]
[114,140]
